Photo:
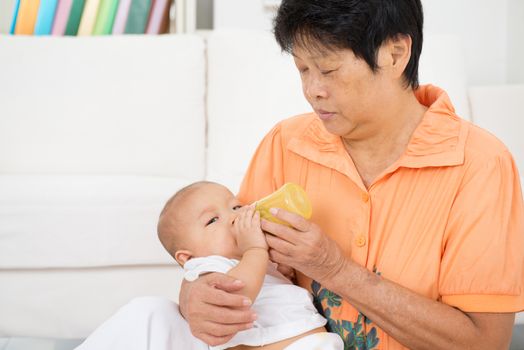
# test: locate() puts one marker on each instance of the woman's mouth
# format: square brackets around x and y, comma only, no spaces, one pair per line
[324,115]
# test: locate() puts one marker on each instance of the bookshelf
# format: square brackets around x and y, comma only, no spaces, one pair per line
[193,15]
[104,17]
[185,16]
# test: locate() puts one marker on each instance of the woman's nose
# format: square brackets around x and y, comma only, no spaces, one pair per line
[314,89]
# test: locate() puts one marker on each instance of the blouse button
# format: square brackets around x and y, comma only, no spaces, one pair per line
[365,197]
[360,241]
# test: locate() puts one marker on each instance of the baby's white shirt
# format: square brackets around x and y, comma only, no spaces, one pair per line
[283,309]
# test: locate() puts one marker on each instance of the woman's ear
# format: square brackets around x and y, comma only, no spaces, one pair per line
[401,50]
[394,55]
[182,256]
[401,53]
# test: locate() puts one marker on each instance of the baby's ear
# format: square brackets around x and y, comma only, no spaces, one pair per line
[182,256]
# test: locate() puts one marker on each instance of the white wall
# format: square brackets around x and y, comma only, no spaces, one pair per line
[482,26]
[487,29]
[249,14]
[516,41]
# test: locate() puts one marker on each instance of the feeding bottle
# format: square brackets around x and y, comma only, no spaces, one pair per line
[290,197]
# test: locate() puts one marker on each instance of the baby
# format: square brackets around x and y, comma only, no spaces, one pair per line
[206,229]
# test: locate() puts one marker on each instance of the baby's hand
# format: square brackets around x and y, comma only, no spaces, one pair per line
[248,231]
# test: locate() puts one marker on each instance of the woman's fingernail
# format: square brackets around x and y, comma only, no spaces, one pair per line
[246,302]
[254,317]
[273,211]
[238,283]
[249,325]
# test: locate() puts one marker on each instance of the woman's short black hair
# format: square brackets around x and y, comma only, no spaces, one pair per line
[359,25]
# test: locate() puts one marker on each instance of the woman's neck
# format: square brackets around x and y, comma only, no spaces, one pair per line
[387,139]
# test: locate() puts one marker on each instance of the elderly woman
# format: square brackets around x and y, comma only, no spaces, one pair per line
[417,236]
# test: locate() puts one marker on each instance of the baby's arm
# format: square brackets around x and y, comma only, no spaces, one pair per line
[252,243]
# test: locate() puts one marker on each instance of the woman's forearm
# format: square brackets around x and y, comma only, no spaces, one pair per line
[413,320]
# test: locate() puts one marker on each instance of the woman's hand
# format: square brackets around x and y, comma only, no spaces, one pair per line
[287,271]
[213,312]
[303,247]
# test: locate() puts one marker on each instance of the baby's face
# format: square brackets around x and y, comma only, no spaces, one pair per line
[206,217]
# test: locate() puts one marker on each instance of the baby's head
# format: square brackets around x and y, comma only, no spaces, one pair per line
[198,221]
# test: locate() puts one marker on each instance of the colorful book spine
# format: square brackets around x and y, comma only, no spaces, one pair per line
[26,19]
[46,16]
[15,15]
[87,23]
[75,15]
[159,11]
[121,17]
[62,14]
[138,16]
[106,17]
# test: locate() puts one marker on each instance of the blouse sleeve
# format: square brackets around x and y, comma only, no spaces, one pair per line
[482,267]
[265,172]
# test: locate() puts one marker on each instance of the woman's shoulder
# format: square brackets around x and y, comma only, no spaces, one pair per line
[482,146]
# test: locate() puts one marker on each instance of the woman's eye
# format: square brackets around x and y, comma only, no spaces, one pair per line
[326,72]
[212,221]
[236,207]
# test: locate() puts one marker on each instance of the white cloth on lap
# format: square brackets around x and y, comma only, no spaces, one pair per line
[146,323]
[316,341]
[155,323]
[283,309]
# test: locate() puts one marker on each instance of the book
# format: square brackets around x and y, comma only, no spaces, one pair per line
[159,17]
[87,23]
[46,17]
[75,15]
[15,15]
[138,16]
[62,14]
[26,19]
[166,20]
[121,17]
[106,17]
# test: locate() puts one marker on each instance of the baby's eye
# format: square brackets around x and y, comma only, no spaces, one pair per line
[236,207]
[212,221]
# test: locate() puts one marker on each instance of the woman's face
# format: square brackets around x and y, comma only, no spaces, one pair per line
[345,93]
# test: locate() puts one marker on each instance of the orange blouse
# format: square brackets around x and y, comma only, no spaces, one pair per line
[446,220]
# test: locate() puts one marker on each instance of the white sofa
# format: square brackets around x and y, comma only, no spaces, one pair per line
[97,133]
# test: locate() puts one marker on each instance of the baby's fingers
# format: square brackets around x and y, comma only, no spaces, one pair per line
[250,216]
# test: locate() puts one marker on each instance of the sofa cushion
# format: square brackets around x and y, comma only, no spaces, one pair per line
[252,86]
[82,221]
[71,303]
[103,105]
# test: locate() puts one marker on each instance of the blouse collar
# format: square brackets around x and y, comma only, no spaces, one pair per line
[439,140]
